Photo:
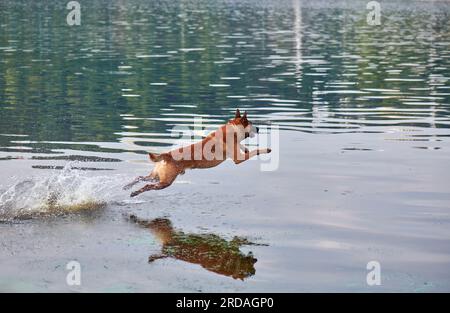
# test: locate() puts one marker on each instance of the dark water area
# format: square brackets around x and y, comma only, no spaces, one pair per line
[359,116]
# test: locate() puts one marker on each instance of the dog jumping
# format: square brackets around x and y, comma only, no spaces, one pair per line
[222,144]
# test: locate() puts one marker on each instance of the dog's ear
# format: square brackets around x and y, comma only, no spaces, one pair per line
[238,114]
[245,115]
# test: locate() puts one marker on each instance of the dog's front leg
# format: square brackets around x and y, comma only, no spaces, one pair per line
[243,148]
[241,157]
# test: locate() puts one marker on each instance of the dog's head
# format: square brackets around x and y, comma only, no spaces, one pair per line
[244,128]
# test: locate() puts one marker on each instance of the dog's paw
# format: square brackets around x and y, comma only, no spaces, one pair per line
[134,194]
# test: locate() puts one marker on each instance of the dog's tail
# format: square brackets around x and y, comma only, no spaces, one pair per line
[155,157]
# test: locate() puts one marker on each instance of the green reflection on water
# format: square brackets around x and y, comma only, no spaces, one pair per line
[301,65]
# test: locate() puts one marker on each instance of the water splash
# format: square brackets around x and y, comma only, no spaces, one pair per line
[65,191]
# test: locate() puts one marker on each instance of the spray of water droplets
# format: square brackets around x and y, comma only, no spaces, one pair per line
[64,191]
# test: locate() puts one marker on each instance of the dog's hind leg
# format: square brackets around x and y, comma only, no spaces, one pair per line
[165,181]
[166,174]
[139,179]
[134,182]
[148,187]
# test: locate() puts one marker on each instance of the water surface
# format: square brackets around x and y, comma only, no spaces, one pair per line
[363,113]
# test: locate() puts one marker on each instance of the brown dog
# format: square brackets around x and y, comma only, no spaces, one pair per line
[215,148]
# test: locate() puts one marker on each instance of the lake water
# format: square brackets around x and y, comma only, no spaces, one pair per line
[357,116]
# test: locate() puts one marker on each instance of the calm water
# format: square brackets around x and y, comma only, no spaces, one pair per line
[364,119]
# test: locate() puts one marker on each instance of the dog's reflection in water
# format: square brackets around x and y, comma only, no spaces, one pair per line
[208,250]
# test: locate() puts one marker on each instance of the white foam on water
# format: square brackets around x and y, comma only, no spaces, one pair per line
[64,191]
